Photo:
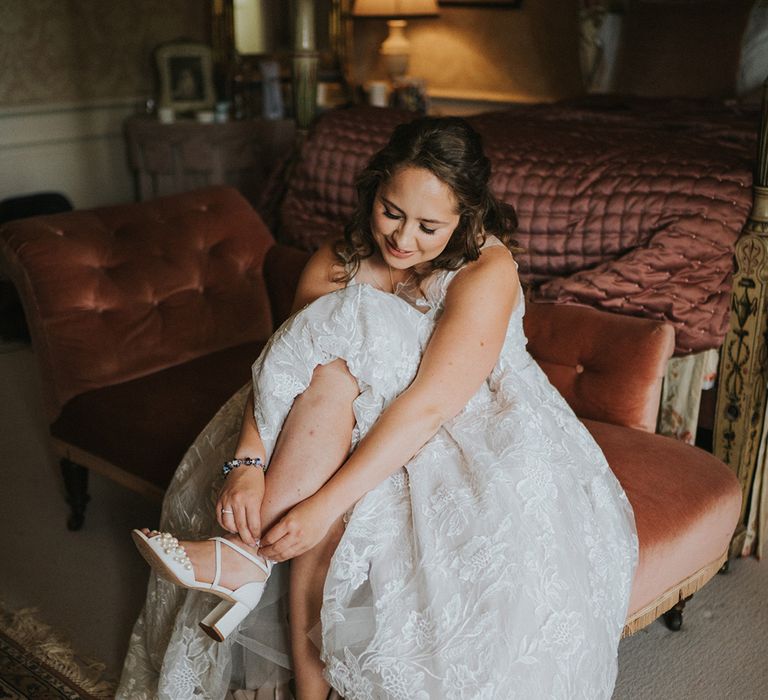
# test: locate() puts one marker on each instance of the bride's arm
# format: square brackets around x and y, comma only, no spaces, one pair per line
[243,490]
[463,350]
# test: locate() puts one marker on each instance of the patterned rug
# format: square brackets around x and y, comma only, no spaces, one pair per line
[37,664]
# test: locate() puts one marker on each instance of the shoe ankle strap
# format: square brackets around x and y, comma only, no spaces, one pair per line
[264,564]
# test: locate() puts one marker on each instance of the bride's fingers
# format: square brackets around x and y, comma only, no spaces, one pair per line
[241,525]
[276,548]
[226,517]
[283,550]
[273,552]
[289,553]
[247,533]
[253,513]
[276,532]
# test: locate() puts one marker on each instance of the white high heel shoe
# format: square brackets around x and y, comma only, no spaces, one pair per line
[170,561]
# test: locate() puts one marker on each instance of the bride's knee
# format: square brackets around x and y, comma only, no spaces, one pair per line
[334,375]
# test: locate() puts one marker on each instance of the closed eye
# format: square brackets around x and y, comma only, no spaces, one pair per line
[395,217]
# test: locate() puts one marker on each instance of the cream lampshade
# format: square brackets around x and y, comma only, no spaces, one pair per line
[396,47]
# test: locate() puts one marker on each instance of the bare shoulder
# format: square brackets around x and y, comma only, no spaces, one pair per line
[319,276]
[324,262]
[493,273]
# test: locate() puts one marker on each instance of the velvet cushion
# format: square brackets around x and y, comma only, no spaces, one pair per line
[145,426]
[686,502]
[607,366]
[116,293]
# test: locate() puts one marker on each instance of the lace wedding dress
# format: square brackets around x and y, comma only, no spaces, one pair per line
[496,564]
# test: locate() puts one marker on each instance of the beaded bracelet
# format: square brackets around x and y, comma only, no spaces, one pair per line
[248,461]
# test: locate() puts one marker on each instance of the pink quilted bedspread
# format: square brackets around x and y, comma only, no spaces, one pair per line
[616,210]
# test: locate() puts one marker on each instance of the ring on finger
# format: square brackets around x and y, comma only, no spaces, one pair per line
[225,510]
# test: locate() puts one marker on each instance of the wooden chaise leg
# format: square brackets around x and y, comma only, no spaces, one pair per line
[76,487]
[673,618]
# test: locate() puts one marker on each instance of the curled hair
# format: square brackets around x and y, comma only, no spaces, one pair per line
[450,149]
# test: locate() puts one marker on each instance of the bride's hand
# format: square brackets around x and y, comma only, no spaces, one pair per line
[300,529]
[242,493]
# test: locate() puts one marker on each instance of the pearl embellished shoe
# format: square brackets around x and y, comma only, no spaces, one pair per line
[170,561]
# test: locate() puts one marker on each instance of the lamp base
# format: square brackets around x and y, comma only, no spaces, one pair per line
[396,49]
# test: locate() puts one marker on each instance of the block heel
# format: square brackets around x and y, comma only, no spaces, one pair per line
[224,619]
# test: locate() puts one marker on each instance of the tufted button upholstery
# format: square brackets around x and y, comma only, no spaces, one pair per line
[608,367]
[117,293]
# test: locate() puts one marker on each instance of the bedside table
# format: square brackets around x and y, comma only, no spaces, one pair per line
[186,155]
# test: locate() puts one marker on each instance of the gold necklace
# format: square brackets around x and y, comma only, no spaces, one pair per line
[399,284]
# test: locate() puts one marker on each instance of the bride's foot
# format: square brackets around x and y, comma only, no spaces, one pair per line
[236,570]
[201,566]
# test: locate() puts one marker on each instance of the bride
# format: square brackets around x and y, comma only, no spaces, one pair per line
[453,530]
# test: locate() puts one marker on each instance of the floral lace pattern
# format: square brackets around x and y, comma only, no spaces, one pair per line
[496,564]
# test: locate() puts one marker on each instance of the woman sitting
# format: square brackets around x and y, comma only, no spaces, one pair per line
[453,530]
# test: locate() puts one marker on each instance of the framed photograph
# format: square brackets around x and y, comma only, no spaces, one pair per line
[186,76]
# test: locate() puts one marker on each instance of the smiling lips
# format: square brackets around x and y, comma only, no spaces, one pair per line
[395,251]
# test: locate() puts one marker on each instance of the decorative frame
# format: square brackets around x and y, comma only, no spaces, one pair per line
[507,4]
[186,76]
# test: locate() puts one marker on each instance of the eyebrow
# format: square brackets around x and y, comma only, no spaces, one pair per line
[394,206]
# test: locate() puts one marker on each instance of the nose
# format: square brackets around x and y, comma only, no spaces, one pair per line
[404,235]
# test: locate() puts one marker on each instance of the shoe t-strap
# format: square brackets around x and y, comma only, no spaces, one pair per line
[217,559]
[264,564]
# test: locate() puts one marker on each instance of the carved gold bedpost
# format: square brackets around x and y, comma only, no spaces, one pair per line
[739,435]
[305,59]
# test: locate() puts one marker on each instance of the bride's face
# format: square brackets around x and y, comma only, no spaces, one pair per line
[414,215]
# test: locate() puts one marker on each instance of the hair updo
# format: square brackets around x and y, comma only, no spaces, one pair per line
[450,149]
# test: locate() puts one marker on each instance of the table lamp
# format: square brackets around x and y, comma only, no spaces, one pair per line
[396,47]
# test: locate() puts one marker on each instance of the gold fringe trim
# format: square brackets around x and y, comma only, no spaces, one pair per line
[40,641]
[670,598]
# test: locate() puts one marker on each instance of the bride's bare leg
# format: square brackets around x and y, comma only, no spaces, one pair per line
[314,442]
[308,573]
